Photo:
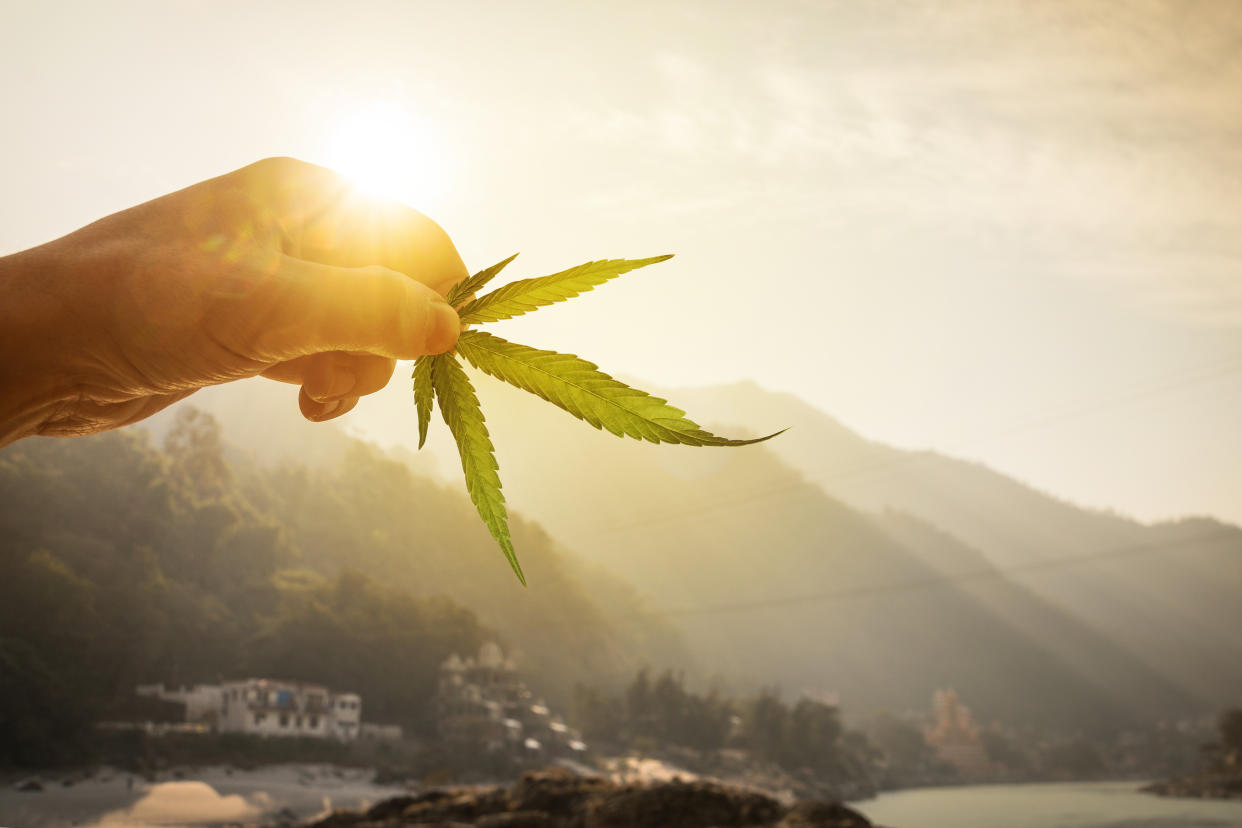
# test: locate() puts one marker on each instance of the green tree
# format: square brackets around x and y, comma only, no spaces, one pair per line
[196,452]
[812,737]
[354,634]
[598,715]
[47,666]
[640,712]
[1229,723]
[764,724]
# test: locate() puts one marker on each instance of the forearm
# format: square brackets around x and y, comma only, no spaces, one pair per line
[33,386]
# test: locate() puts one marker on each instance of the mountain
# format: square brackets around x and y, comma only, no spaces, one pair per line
[797,562]
[343,504]
[1169,594]
[824,561]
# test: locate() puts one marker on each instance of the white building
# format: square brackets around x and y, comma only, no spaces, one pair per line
[284,708]
[269,707]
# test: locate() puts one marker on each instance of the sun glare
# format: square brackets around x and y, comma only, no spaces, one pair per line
[387,151]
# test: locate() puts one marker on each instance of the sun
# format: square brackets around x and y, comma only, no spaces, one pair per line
[387,151]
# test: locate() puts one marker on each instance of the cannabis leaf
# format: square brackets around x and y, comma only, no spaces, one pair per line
[424,394]
[460,409]
[589,394]
[517,298]
[463,289]
[565,380]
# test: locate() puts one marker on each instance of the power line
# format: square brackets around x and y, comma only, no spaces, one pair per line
[944,580]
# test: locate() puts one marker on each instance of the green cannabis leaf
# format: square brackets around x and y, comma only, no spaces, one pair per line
[571,383]
[586,392]
[463,289]
[525,296]
[460,408]
[424,394]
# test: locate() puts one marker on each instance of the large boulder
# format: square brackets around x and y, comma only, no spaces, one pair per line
[555,798]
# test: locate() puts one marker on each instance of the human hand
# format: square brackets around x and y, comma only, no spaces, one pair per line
[278,269]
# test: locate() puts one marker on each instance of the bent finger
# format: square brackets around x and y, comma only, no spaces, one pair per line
[335,374]
[318,412]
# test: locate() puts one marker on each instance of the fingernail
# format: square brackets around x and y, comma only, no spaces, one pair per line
[445,326]
[343,381]
[327,409]
[337,384]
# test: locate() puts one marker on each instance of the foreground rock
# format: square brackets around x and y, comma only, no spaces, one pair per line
[1207,785]
[557,799]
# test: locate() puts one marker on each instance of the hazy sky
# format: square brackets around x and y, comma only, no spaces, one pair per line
[1007,231]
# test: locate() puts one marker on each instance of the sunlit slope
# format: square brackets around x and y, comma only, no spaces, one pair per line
[775,580]
[372,513]
[1170,593]
[1136,617]
[352,506]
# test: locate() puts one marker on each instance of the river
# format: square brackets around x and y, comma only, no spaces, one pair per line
[1055,805]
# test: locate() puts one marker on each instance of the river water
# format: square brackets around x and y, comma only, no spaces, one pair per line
[1057,805]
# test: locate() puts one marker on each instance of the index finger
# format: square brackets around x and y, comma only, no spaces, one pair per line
[325,219]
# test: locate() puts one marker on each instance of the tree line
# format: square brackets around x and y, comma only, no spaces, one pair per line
[806,735]
[123,562]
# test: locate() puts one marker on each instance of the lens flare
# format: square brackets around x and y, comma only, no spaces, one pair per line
[387,151]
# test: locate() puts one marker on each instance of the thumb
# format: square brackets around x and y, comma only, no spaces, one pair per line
[310,308]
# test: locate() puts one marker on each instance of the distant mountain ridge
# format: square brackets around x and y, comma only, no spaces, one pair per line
[1097,614]
[1168,593]
[347,504]
[825,561]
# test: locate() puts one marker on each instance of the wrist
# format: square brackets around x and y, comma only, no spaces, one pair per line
[33,382]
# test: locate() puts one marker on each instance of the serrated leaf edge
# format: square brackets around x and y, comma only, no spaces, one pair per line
[453,388]
[424,393]
[520,297]
[676,429]
[462,290]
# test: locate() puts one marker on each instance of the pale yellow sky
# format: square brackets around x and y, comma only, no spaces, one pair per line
[1008,231]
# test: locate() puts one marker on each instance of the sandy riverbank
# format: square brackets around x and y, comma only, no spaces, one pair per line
[187,797]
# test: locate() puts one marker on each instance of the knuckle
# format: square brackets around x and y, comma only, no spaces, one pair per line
[278,166]
[280,171]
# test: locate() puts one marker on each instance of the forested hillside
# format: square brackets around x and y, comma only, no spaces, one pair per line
[124,562]
[776,577]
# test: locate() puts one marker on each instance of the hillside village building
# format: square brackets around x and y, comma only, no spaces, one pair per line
[483,702]
[955,736]
[268,707]
[283,708]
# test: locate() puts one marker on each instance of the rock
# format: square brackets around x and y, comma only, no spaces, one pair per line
[30,786]
[389,808]
[455,805]
[554,791]
[555,798]
[284,817]
[823,813]
[1206,785]
[339,819]
[682,805]
[519,819]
